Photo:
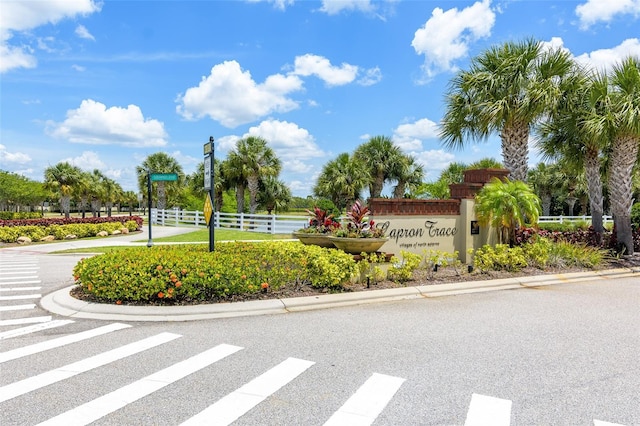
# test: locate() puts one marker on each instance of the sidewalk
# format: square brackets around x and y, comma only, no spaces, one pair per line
[61,303]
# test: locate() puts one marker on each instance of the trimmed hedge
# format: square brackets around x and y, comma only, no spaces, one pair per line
[71,220]
[19,215]
[10,234]
[175,273]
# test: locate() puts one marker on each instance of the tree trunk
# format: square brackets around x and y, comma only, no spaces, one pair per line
[162,196]
[65,205]
[375,189]
[546,204]
[217,200]
[252,186]
[515,149]
[240,198]
[398,191]
[594,187]
[623,157]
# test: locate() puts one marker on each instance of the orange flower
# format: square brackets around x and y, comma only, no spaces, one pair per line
[184,271]
[244,277]
[265,286]
[179,283]
[159,267]
[76,277]
[118,302]
[160,295]
[170,291]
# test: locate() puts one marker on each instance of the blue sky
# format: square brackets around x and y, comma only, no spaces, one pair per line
[105,84]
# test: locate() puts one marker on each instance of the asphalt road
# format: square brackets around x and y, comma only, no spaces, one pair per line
[554,355]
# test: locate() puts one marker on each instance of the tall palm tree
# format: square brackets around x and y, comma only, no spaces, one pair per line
[507,205]
[565,137]
[342,180]
[380,156]
[62,179]
[408,175]
[545,180]
[82,190]
[618,119]
[251,160]
[507,89]
[160,162]
[97,191]
[274,194]
[112,193]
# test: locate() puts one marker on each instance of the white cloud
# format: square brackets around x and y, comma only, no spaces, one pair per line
[26,15]
[604,59]
[185,159]
[83,32]
[446,36]
[7,157]
[226,143]
[94,123]
[319,66]
[287,139]
[88,160]
[371,76]
[434,160]
[230,96]
[297,166]
[333,7]
[409,136]
[78,68]
[594,11]
[601,59]
[278,4]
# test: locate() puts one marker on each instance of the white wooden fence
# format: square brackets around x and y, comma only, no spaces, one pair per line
[281,224]
[270,224]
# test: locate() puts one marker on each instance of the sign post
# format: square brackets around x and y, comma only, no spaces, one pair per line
[209,159]
[156,177]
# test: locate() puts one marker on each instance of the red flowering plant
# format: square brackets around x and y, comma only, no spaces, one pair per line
[358,226]
[321,222]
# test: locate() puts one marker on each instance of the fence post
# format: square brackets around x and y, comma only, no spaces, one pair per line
[177,212]
[273,223]
[242,221]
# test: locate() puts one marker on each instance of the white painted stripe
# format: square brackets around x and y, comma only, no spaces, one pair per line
[20,289]
[30,384]
[18,272]
[33,328]
[16,277]
[231,407]
[21,297]
[21,282]
[17,307]
[364,406]
[59,341]
[601,423]
[29,268]
[100,407]
[19,321]
[489,411]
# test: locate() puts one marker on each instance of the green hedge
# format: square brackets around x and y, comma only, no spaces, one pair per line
[10,234]
[190,272]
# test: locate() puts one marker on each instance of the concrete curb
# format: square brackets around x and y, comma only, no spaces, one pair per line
[60,302]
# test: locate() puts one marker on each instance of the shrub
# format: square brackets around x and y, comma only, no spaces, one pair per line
[9,234]
[20,215]
[401,270]
[190,272]
[499,257]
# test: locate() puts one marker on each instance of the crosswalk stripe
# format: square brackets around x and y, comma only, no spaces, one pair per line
[17,277]
[30,268]
[231,407]
[20,297]
[364,406]
[20,289]
[17,272]
[601,423]
[17,307]
[28,320]
[60,341]
[30,384]
[489,411]
[100,407]
[21,282]
[33,329]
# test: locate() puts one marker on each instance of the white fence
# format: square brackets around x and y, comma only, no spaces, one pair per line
[270,224]
[281,224]
[569,219]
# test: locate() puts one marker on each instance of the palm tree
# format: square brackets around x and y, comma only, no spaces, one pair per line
[618,119]
[381,157]
[112,193]
[62,178]
[250,161]
[97,191]
[507,89]
[565,137]
[545,180]
[82,190]
[507,205]
[407,174]
[485,163]
[342,180]
[129,198]
[160,162]
[274,194]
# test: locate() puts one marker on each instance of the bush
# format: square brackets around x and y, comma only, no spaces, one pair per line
[402,270]
[9,234]
[20,215]
[72,220]
[191,273]
[635,215]
[500,257]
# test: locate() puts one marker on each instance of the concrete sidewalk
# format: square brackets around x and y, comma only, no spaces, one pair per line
[60,302]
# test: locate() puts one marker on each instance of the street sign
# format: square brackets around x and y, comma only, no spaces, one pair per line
[207,174]
[169,177]
[208,209]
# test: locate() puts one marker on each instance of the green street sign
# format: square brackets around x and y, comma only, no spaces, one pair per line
[171,177]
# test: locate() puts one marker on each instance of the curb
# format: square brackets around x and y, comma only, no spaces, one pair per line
[61,303]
